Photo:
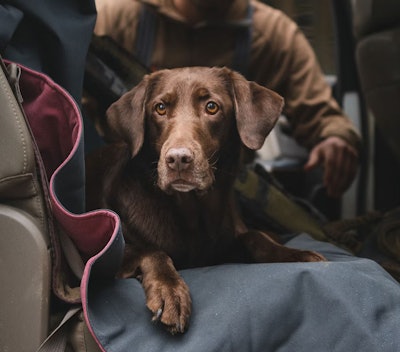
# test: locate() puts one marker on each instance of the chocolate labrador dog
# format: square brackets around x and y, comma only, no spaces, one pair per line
[180,136]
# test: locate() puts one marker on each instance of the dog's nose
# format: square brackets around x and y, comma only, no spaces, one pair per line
[179,158]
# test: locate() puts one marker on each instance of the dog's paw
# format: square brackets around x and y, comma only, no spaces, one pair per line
[170,304]
[308,256]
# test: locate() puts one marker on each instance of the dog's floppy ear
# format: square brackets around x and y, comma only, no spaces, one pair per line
[257,109]
[125,117]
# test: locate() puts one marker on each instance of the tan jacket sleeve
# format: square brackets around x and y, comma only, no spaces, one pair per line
[292,69]
[118,20]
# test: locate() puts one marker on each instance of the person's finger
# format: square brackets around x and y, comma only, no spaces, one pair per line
[313,159]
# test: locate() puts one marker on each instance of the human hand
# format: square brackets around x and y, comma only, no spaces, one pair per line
[339,161]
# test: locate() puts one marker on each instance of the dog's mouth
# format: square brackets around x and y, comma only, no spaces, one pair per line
[183,170]
[182,186]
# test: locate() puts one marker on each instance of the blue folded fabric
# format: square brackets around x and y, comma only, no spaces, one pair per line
[346,304]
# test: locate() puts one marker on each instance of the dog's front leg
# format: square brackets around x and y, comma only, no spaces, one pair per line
[167,295]
[264,249]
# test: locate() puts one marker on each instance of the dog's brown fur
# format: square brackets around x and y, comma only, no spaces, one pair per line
[170,179]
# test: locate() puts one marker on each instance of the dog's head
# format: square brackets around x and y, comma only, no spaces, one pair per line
[188,116]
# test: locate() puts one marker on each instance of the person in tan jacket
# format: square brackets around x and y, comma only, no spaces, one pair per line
[275,54]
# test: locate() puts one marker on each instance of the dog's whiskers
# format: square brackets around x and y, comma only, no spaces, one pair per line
[212,162]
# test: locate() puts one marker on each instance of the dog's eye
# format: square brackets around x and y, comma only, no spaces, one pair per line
[161,109]
[212,107]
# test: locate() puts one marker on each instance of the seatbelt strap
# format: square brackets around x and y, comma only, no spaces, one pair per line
[57,340]
[276,205]
[147,28]
[146,33]
[242,52]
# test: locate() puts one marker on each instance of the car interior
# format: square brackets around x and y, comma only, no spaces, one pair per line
[358,44]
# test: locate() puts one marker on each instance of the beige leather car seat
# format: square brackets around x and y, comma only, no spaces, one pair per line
[25,264]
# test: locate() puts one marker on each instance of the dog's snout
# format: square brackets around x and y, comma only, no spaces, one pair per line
[179,158]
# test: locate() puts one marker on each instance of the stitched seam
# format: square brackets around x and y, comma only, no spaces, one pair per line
[40,203]
[11,99]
